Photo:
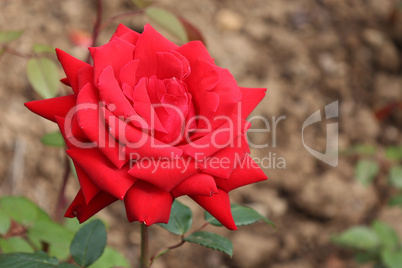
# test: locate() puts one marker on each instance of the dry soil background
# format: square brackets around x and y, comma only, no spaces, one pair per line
[307,53]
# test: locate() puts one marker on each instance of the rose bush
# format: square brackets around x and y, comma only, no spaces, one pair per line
[150,121]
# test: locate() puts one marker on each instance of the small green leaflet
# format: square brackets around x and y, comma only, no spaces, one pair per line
[211,240]
[169,21]
[27,260]
[358,237]
[388,237]
[396,200]
[242,215]
[43,75]
[392,259]
[40,48]
[53,139]
[394,153]
[366,170]
[57,236]
[89,243]
[395,176]
[141,3]
[8,36]
[111,258]
[15,244]
[5,223]
[180,219]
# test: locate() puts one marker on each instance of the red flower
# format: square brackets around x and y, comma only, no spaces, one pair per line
[151,121]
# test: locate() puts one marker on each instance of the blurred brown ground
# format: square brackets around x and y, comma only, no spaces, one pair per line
[307,53]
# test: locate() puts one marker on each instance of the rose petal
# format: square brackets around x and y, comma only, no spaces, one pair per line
[171,64]
[107,177]
[85,76]
[246,172]
[197,184]
[143,106]
[194,50]
[250,99]
[111,93]
[219,207]
[128,73]
[223,136]
[71,131]
[147,204]
[65,81]
[71,67]
[137,142]
[84,211]
[125,33]
[147,45]
[116,53]
[222,163]
[164,173]
[50,108]
[93,125]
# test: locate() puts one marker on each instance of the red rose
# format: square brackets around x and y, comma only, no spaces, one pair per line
[151,121]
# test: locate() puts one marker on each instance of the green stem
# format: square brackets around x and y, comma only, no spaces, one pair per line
[144,262]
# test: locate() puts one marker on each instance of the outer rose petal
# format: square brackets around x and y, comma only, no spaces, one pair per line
[198,184]
[194,50]
[228,159]
[148,204]
[246,172]
[89,121]
[83,211]
[163,173]
[250,99]
[50,108]
[107,177]
[88,187]
[126,34]
[219,206]
[71,67]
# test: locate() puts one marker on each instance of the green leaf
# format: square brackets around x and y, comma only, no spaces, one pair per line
[89,243]
[396,200]
[141,3]
[19,209]
[366,170]
[15,244]
[180,219]
[394,153]
[388,237]
[365,149]
[211,240]
[66,265]
[43,75]
[27,260]
[40,48]
[169,21]
[57,236]
[5,223]
[395,176]
[392,259]
[242,215]
[53,139]
[358,237]
[365,257]
[111,258]
[8,36]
